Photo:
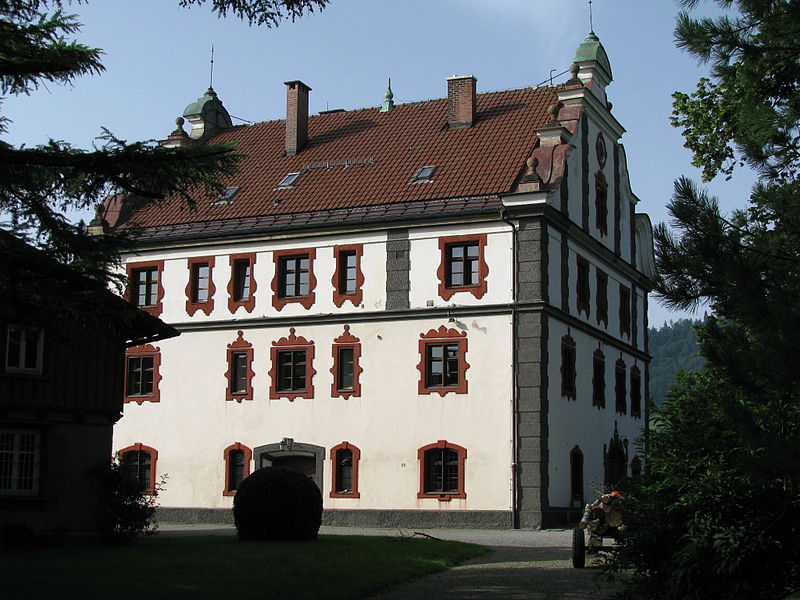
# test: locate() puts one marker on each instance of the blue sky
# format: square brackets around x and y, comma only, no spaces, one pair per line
[157,62]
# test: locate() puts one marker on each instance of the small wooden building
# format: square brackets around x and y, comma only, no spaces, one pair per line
[62,358]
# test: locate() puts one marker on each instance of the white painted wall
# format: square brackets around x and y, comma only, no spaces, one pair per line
[576,421]
[193,423]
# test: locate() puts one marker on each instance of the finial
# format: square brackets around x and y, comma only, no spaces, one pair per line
[179,126]
[211,78]
[388,102]
[591,25]
[552,110]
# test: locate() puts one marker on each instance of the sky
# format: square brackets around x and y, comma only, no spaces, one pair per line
[157,60]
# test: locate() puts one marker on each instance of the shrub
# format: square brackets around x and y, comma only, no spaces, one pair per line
[129,511]
[277,503]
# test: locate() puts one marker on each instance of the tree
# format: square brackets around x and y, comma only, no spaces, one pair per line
[38,184]
[715,515]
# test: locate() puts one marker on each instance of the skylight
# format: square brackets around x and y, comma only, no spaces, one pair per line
[424,175]
[226,197]
[288,181]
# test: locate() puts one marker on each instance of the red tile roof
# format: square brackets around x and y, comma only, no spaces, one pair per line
[365,158]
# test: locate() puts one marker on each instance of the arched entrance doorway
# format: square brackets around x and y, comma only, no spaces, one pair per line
[306,458]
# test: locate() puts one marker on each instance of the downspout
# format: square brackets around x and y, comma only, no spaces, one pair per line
[514,375]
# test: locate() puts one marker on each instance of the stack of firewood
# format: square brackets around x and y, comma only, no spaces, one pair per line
[602,514]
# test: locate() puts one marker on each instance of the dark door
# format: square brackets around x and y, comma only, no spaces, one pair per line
[305,464]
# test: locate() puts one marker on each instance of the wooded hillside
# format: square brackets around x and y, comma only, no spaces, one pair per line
[674,348]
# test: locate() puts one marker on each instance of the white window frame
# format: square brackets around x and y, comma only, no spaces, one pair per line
[24,340]
[15,462]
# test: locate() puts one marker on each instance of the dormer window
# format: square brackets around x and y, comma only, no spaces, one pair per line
[288,181]
[226,197]
[424,175]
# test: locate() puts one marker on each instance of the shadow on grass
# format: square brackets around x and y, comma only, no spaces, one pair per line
[333,567]
[512,574]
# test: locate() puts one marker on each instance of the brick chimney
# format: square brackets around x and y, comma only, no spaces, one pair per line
[296,116]
[460,101]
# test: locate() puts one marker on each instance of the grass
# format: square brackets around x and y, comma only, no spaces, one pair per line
[199,567]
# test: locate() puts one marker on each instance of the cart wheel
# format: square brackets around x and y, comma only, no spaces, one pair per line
[578,548]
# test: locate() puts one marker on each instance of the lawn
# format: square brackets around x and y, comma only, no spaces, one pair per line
[333,567]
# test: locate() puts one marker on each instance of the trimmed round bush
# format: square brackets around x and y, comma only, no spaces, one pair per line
[277,503]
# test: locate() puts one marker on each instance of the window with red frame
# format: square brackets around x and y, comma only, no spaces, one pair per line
[240,372]
[583,295]
[294,279]
[624,310]
[568,372]
[348,278]
[636,392]
[601,203]
[620,386]
[200,289]
[237,467]
[346,370]
[292,370]
[242,285]
[462,267]
[145,288]
[601,301]
[576,476]
[142,365]
[442,471]
[599,379]
[344,462]
[442,363]
[138,464]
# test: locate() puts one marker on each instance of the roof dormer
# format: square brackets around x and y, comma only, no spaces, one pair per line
[207,116]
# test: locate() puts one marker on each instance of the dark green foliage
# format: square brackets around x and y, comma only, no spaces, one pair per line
[715,516]
[674,348]
[277,503]
[749,110]
[38,184]
[129,512]
[261,12]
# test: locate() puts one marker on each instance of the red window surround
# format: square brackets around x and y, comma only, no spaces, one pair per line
[208,305]
[292,342]
[139,447]
[249,303]
[583,294]
[620,386]
[335,475]
[340,292]
[462,456]
[234,390]
[230,489]
[477,288]
[636,392]
[339,387]
[145,351]
[601,203]
[624,310]
[441,336]
[568,367]
[130,295]
[599,379]
[279,299]
[601,300]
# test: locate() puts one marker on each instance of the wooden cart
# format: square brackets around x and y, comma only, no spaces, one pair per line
[599,521]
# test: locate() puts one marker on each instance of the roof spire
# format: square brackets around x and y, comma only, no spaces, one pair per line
[388,102]
[591,25]
[211,78]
